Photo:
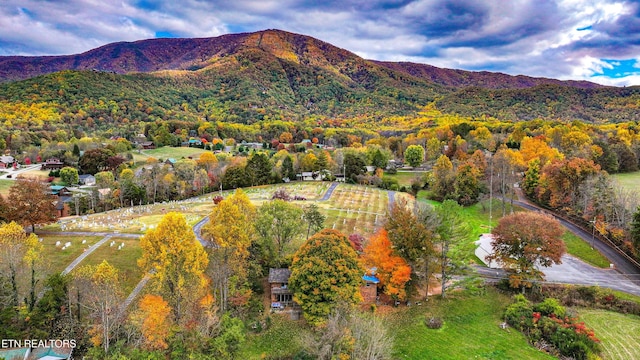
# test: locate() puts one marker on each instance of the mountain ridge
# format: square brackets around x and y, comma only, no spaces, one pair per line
[166,54]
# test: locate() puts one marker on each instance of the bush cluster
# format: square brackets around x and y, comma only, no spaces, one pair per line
[547,323]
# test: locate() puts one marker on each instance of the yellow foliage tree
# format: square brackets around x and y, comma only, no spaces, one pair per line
[176,259]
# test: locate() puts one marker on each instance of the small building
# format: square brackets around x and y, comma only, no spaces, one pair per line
[147,145]
[369,290]
[52,164]
[6,161]
[59,190]
[87,179]
[281,295]
[170,161]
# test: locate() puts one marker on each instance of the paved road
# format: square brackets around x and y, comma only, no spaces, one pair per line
[82,256]
[621,263]
[23,168]
[329,192]
[392,198]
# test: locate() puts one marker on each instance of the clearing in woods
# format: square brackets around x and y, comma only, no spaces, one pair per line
[617,332]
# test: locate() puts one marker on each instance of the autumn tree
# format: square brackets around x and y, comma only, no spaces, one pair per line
[412,240]
[278,221]
[177,261]
[208,161]
[505,165]
[391,269]
[522,242]
[102,296]
[30,202]
[309,162]
[443,178]
[154,321]
[258,169]
[466,185]
[96,160]
[414,155]
[18,252]
[230,231]
[563,180]
[325,270]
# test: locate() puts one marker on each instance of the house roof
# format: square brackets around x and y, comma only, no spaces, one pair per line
[6,159]
[370,279]
[86,176]
[279,275]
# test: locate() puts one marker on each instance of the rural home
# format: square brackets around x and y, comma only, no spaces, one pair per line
[281,295]
[87,179]
[6,161]
[369,290]
[52,164]
[147,145]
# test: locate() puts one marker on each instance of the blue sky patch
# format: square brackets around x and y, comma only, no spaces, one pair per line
[585,28]
[165,34]
[619,68]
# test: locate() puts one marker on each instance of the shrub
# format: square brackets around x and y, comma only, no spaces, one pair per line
[434,323]
[550,306]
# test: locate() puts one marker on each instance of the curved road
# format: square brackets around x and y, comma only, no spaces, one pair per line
[621,263]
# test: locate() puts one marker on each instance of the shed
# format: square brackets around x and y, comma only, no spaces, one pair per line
[281,295]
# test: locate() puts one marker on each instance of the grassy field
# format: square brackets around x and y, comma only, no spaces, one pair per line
[405,177]
[125,260]
[58,259]
[617,332]
[166,152]
[471,330]
[281,340]
[628,180]
[583,250]
[5,185]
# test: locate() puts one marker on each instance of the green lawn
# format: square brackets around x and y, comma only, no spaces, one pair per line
[471,330]
[282,340]
[629,181]
[583,250]
[5,185]
[58,259]
[617,332]
[167,152]
[125,260]
[405,177]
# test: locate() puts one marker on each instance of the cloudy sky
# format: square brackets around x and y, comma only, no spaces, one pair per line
[595,40]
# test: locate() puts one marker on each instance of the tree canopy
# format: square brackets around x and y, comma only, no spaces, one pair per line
[325,270]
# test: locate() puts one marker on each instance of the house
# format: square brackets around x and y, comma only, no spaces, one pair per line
[281,295]
[146,145]
[139,139]
[369,290]
[62,206]
[87,179]
[52,164]
[52,352]
[59,190]
[170,161]
[6,161]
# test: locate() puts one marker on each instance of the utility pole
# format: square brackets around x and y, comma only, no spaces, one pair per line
[593,231]
[491,191]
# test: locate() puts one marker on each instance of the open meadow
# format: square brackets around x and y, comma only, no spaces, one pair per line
[630,181]
[405,178]
[617,332]
[166,152]
[124,258]
[4,186]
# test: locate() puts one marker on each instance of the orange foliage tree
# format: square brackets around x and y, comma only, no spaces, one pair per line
[524,240]
[391,269]
[154,321]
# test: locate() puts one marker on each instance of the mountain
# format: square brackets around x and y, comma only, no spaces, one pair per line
[259,79]
[484,79]
[192,54]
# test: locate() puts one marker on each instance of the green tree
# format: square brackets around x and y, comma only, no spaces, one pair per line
[634,230]
[235,177]
[467,184]
[414,155]
[278,221]
[412,240]
[69,175]
[443,179]
[177,259]
[314,218]
[258,169]
[95,160]
[325,270]
[287,168]
[354,165]
[531,178]
[522,242]
[451,231]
